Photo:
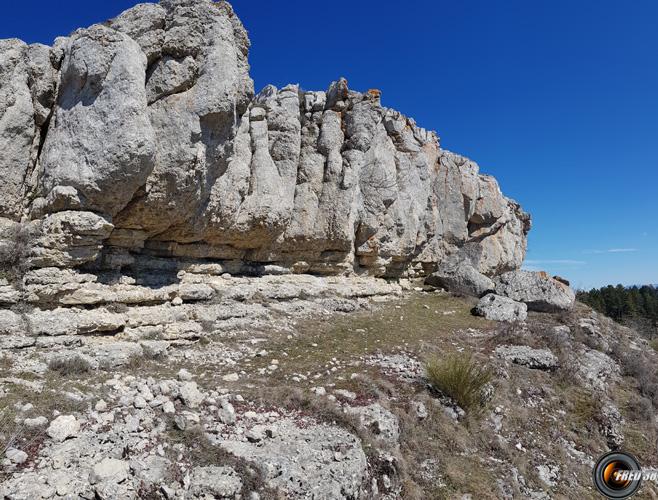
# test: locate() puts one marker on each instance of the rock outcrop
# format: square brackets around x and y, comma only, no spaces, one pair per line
[461,278]
[142,137]
[536,289]
[497,308]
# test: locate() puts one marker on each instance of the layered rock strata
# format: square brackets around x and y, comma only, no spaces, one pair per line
[142,137]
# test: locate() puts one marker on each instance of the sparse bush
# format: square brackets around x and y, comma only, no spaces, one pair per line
[16,245]
[460,377]
[640,408]
[641,368]
[6,362]
[584,406]
[69,365]
[10,431]
[654,344]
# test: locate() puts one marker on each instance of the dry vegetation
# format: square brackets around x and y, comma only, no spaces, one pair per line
[461,378]
[17,243]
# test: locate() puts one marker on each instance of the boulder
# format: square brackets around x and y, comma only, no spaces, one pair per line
[461,278]
[16,456]
[63,427]
[594,369]
[540,359]
[190,394]
[69,239]
[537,290]
[28,76]
[497,308]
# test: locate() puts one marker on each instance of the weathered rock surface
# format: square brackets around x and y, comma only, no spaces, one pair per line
[305,462]
[215,482]
[63,427]
[596,369]
[461,278]
[540,359]
[381,422]
[497,308]
[536,289]
[143,136]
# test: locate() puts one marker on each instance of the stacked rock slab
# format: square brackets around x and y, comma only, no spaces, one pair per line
[536,289]
[141,137]
[516,292]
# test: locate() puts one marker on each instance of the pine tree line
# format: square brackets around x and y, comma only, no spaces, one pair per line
[634,306]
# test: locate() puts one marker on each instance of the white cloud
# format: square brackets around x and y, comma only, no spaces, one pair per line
[611,250]
[566,262]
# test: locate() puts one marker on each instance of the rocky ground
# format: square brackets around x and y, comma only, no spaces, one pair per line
[306,387]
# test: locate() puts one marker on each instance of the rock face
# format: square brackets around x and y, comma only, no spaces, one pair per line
[142,136]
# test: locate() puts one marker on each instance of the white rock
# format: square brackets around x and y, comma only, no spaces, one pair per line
[31,423]
[319,391]
[190,394]
[168,407]
[109,470]
[231,377]
[63,427]
[497,308]
[227,413]
[16,456]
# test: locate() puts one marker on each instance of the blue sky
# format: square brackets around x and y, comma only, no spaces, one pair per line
[558,99]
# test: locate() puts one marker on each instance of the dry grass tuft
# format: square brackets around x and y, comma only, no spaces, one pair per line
[6,362]
[69,365]
[460,377]
[10,431]
[15,251]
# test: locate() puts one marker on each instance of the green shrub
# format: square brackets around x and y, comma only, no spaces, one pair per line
[460,377]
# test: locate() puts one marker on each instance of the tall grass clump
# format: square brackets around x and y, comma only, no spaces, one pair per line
[461,378]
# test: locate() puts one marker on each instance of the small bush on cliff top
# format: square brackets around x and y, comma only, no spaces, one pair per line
[460,377]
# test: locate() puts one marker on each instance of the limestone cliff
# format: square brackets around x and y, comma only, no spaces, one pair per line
[142,137]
